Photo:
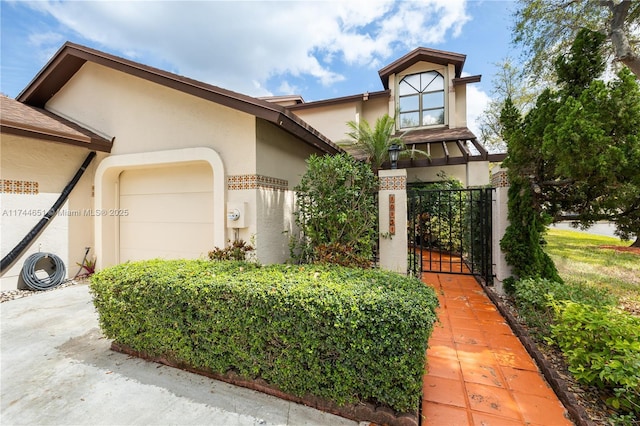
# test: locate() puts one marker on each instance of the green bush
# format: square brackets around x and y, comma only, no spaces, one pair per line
[533,295]
[344,334]
[523,239]
[336,211]
[602,346]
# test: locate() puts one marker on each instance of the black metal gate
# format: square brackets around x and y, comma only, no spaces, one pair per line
[450,231]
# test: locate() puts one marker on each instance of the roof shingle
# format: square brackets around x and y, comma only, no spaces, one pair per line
[25,120]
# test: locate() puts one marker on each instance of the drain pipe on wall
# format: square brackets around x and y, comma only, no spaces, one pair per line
[17,251]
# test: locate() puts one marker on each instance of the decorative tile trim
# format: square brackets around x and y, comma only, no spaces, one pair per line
[393,183]
[500,180]
[239,182]
[23,187]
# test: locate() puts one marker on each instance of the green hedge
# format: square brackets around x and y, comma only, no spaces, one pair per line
[344,334]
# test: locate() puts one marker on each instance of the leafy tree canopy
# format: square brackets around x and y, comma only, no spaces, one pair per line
[507,84]
[547,28]
[579,147]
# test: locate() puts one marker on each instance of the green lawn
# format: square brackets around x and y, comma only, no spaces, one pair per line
[581,257]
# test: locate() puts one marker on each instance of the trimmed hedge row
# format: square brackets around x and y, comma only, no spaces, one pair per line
[344,334]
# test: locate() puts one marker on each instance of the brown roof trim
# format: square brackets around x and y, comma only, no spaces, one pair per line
[24,120]
[467,80]
[68,60]
[443,134]
[497,157]
[34,134]
[341,100]
[422,54]
[297,99]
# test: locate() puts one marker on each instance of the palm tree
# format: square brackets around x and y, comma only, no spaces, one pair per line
[376,142]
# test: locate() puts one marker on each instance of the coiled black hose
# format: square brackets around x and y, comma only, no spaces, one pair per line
[52,280]
[9,259]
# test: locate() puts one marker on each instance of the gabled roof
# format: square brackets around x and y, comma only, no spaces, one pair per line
[422,54]
[71,57]
[25,120]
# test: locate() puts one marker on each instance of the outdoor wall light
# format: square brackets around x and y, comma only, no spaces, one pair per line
[394,153]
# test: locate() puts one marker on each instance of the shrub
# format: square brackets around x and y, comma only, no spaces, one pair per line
[339,333]
[602,346]
[237,250]
[341,254]
[533,295]
[336,208]
[523,238]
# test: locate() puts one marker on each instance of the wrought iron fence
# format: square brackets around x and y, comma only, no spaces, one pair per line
[449,231]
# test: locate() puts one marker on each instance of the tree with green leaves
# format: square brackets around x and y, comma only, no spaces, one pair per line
[507,84]
[578,149]
[547,28]
[527,223]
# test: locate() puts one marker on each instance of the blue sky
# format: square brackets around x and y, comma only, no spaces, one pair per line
[317,49]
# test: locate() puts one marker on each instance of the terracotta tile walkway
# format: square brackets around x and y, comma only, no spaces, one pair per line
[478,371]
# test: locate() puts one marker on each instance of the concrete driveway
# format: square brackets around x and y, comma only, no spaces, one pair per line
[57,369]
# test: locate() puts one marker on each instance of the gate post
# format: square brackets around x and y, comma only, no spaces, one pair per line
[392,221]
[500,221]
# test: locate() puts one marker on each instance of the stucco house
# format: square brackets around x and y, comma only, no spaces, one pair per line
[183,166]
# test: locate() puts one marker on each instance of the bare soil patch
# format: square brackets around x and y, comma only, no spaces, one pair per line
[635,250]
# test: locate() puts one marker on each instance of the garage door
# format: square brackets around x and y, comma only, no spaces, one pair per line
[167,212]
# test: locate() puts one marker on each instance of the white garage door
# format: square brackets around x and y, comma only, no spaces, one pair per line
[167,212]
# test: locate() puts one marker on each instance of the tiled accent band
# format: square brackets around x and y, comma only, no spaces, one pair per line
[24,187]
[500,180]
[393,183]
[239,182]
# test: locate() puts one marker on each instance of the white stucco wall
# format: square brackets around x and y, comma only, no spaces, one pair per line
[51,166]
[150,122]
[331,120]
[144,117]
[282,158]
[430,174]
[161,126]
[393,247]
[478,173]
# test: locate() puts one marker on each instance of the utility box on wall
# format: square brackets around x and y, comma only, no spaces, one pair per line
[237,215]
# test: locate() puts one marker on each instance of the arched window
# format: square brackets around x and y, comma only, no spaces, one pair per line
[421,99]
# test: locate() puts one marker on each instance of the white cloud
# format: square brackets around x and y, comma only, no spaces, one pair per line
[477,102]
[45,44]
[240,45]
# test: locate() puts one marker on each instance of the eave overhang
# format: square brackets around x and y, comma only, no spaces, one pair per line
[31,122]
[467,80]
[71,57]
[454,146]
[422,54]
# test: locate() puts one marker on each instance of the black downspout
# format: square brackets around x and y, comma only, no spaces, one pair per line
[17,251]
